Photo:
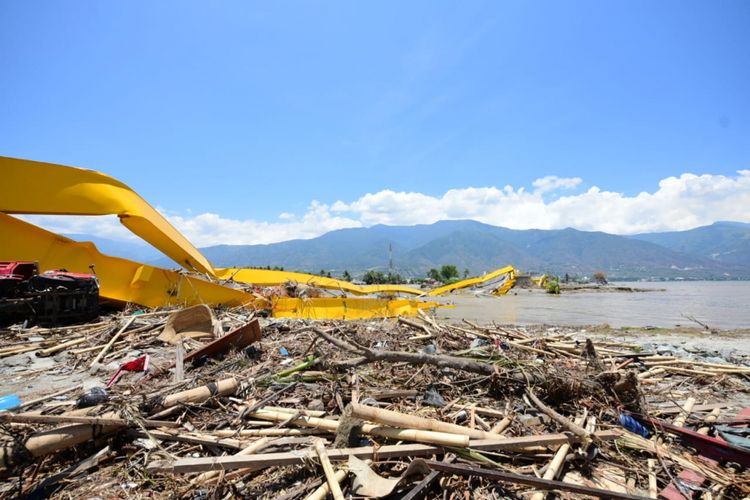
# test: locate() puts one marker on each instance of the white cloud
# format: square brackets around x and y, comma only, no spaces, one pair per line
[677,203]
[553,182]
[212,229]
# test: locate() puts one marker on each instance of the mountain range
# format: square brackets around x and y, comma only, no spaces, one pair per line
[718,251]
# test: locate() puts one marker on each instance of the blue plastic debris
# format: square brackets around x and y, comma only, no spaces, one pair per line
[9,401]
[633,425]
[283,351]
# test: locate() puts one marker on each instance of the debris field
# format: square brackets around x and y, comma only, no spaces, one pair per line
[202,403]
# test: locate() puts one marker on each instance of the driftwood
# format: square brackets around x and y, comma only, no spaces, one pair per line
[506,477]
[566,423]
[566,386]
[370,355]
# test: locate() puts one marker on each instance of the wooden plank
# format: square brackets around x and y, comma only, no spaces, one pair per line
[187,465]
[546,484]
[239,338]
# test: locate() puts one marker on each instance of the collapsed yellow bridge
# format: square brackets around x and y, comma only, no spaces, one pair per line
[45,188]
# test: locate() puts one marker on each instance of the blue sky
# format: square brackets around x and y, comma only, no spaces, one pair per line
[249,110]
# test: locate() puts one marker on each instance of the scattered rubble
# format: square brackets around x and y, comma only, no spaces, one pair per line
[219,403]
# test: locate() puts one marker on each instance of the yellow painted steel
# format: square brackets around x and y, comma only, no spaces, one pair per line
[45,188]
[128,281]
[501,290]
[64,190]
[33,187]
[265,277]
[348,308]
[119,279]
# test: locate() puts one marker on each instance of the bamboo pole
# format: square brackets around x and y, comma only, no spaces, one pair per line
[553,469]
[650,373]
[60,347]
[268,432]
[42,399]
[84,350]
[309,413]
[113,340]
[19,349]
[401,420]
[500,427]
[320,449]
[416,435]
[203,393]
[710,419]
[488,412]
[67,419]
[264,460]
[686,410]
[44,443]
[653,489]
[324,489]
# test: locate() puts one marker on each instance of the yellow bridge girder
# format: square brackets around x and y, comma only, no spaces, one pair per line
[119,279]
[265,277]
[129,281]
[502,290]
[46,188]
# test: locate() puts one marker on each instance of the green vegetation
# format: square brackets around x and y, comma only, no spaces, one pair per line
[378,278]
[347,276]
[447,274]
[553,285]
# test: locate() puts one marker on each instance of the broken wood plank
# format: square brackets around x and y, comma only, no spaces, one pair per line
[257,462]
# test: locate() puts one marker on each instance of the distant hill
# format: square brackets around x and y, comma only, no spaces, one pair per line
[726,242]
[481,247]
[718,251]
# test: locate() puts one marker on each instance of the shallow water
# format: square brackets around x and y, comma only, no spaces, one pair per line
[720,304]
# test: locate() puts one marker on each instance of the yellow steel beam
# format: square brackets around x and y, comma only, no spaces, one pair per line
[265,277]
[46,188]
[128,281]
[119,279]
[347,308]
[509,270]
[62,190]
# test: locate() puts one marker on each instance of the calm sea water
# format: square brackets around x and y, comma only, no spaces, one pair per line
[720,304]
